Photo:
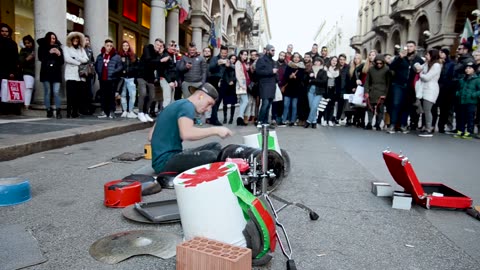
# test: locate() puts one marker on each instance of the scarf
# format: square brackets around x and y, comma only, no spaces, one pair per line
[332,73]
[245,72]
[316,69]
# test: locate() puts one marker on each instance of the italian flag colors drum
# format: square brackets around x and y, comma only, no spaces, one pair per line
[214,203]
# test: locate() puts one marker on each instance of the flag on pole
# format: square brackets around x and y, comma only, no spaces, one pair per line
[467,31]
[184,10]
[475,36]
[213,36]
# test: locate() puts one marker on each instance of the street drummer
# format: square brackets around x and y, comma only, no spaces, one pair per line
[176,124]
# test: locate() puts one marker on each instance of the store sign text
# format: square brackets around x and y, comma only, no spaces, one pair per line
[75,18]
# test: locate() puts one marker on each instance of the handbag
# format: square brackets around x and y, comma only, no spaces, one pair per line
[359,98]
[418,88]
[86,69]
[284,87]
[13,91]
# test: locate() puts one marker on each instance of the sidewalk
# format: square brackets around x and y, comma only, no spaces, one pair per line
[33,133]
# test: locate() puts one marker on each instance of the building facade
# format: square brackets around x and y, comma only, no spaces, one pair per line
[139,22]
[382,24]
[336,36]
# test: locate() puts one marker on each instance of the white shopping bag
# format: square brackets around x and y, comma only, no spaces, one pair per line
[358,98]
[278,94]
[13,91]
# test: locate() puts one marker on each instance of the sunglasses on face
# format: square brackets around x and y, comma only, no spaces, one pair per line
[379,64]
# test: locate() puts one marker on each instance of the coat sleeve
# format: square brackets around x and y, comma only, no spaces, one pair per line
[118,65]
[69,59]
[98,65]
[434,71]
[368,82]
[84,58]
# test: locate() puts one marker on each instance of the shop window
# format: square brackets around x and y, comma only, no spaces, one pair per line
[131,37]
[24,24]
[130,9]
[112,32]
[146,10]
[113,5]
[145,42]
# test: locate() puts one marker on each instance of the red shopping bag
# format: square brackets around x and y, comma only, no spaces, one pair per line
[13,91]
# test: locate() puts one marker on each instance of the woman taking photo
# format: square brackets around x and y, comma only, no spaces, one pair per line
[242,83]
[294,83]
[429,77]
[51,55]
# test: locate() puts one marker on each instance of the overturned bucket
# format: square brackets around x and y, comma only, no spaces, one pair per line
[14,190]
[208,207]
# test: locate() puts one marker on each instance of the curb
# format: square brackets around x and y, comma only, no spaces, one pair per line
[54,142]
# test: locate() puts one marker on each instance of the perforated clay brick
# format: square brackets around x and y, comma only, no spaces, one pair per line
[206,254]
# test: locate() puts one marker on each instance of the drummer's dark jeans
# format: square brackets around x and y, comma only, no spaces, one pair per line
[193,157]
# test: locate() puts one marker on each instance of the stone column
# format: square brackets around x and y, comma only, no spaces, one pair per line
[96,23]
[157,20]
[172,25]
[205,40]
[197,37]
[48,19]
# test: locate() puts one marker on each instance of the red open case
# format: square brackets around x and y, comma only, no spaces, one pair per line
[402,172]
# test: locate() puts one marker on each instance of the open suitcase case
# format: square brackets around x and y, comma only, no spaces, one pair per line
[426,194]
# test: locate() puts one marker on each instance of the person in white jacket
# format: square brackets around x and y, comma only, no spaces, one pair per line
[75,55]
[429,78]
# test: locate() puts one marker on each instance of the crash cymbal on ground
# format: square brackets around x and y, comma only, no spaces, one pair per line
[117,247]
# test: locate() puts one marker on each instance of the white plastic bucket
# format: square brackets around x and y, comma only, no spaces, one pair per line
[255,140]
[208,208]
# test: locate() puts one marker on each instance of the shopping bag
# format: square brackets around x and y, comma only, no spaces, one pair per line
[13,91]
[358,98]
[278,94]
[419,89]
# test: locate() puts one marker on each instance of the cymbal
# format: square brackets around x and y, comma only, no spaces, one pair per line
[120,246]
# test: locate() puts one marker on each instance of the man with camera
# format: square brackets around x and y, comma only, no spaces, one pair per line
[193,68]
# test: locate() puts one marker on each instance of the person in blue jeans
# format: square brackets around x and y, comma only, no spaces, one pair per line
[294,74]
[317,88]
[50,53]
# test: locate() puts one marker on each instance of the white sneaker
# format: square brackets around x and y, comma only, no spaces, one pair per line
[149,119]
[124,114]
[324,123]
[141,117]
[330,123]
[103,115]
[131,115]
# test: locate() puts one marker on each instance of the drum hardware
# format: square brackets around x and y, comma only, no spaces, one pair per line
[264,176]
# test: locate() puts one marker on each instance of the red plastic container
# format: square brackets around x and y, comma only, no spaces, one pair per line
[402,172]
[122,193]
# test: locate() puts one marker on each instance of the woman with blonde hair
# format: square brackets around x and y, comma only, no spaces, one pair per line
[355,67]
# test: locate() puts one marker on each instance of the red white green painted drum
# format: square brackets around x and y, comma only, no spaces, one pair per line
[255,141]
[208,206]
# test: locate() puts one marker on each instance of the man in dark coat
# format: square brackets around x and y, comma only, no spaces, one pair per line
[8,65]
[267,79]
[403,91]
[216,68]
